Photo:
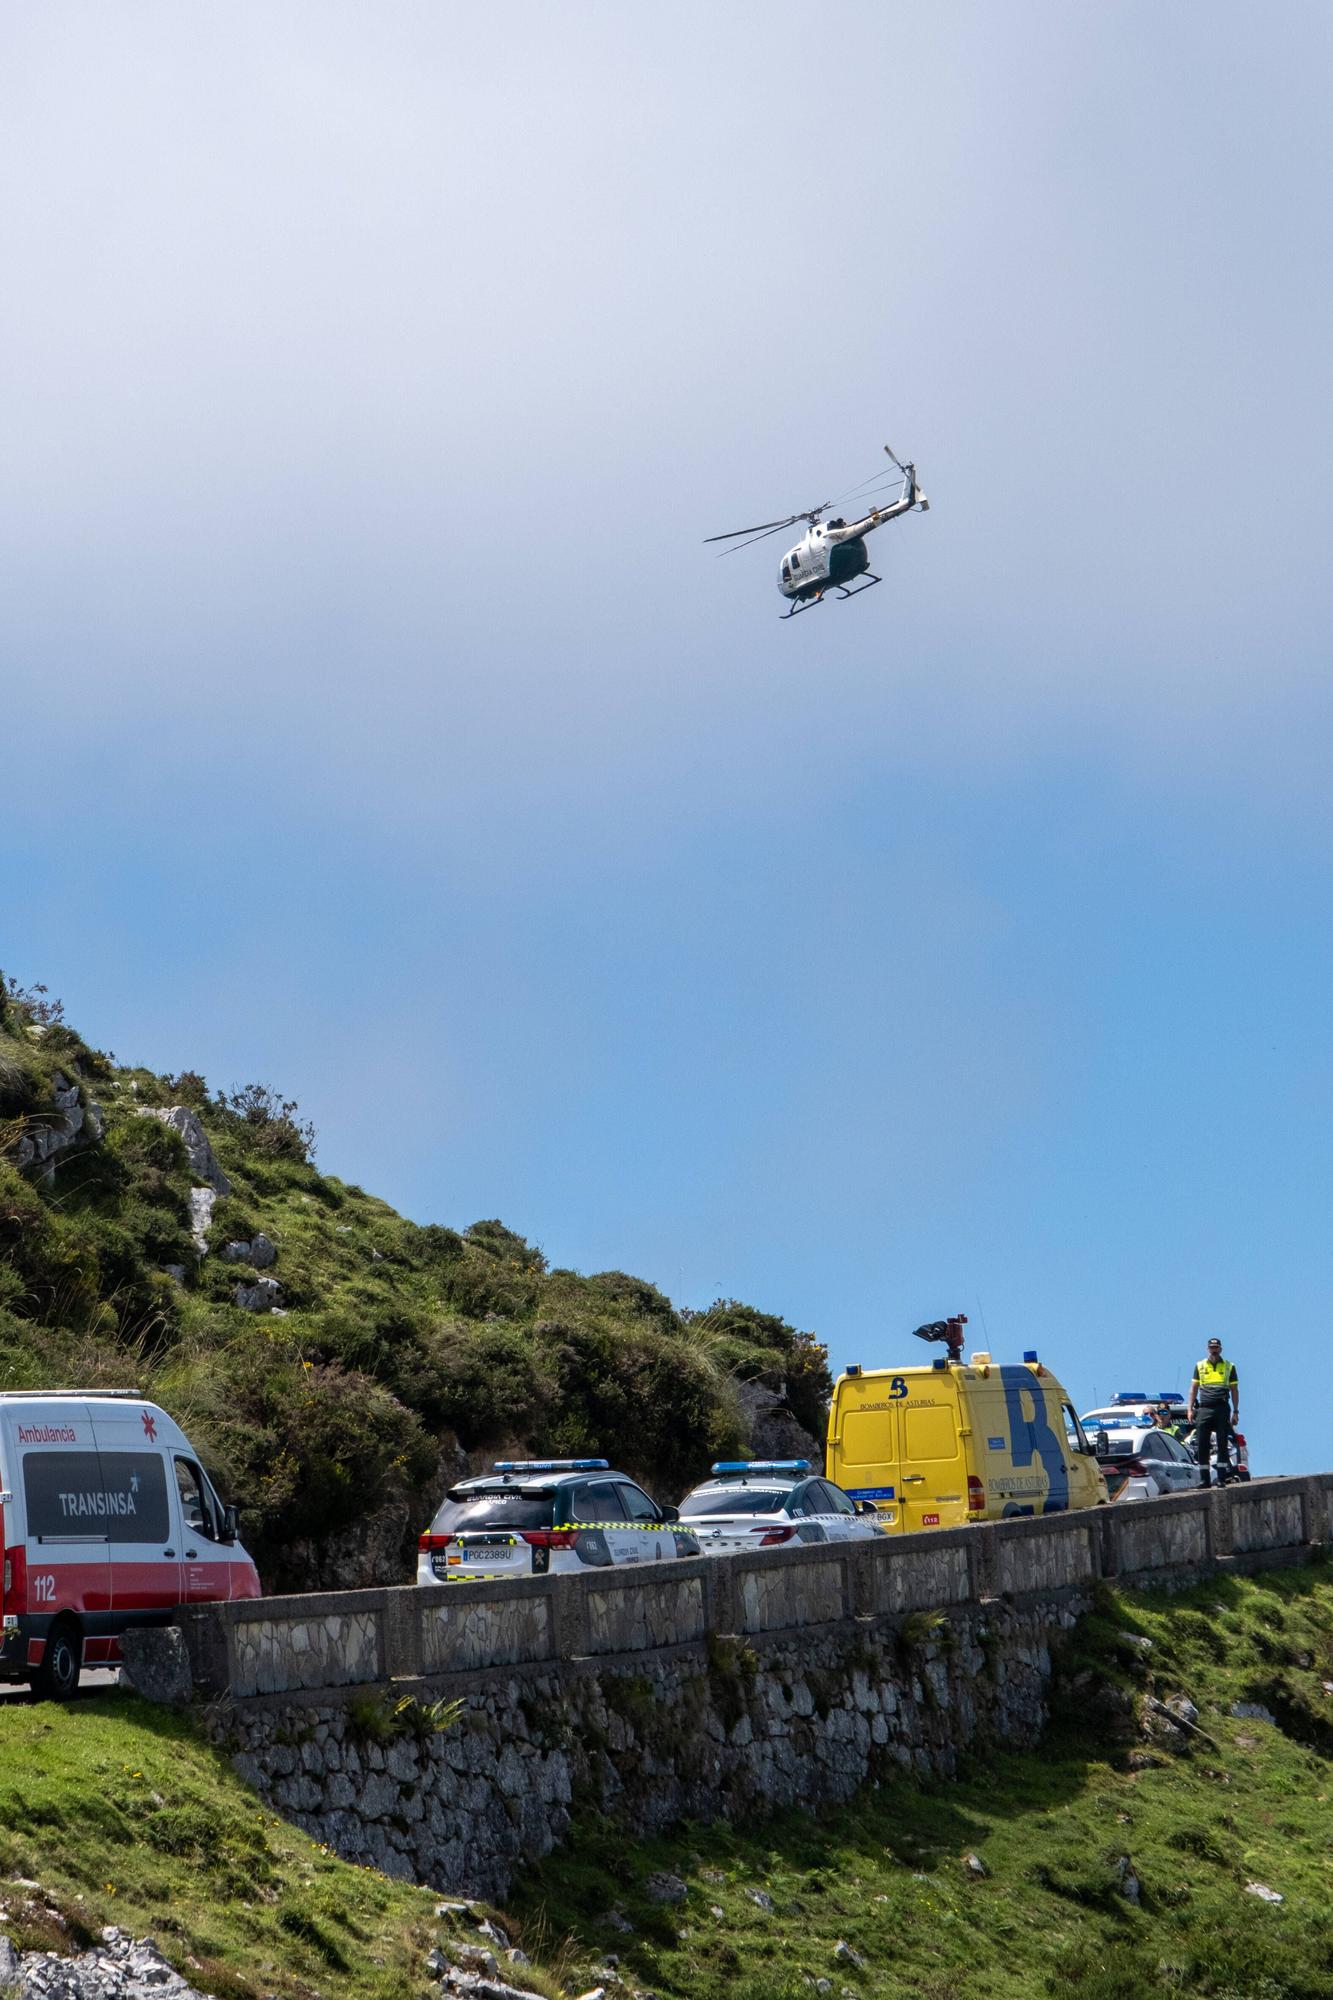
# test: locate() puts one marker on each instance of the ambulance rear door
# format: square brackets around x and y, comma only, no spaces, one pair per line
[145,1547]
[66,1549]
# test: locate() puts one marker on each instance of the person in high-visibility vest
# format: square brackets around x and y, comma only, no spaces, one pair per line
[1215,1387]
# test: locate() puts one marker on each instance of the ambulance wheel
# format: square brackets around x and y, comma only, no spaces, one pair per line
[58,1676]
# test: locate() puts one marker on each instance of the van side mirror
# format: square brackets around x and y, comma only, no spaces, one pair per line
[231,1523]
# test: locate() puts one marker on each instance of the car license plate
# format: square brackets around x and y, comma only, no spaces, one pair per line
[490,1552]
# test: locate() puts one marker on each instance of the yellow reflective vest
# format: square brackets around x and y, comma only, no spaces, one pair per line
[1215,1375]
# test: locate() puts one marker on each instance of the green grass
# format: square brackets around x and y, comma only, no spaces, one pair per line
[887,1875]
[124,1815]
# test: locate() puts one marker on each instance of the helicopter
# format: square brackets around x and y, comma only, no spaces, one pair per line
[832,553]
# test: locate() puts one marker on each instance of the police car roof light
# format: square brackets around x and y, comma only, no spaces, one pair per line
[762,1465]
[1129,1396]
[1169,1396]
[552,1465]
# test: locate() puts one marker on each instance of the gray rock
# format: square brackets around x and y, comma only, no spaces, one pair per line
[202,1201]
[1252,1711]
[663,1888]
[760,1898]
[615,1920]
[176,1271]
[203,1160]
[9,1962]
[1126,1880]
[1136,1642]
[118,1968]
[262,1252]
[974,1866]
[261,1297]
[1263,1892]
[156,1663]
[67,1124]
[1182,1708]
[844,1953]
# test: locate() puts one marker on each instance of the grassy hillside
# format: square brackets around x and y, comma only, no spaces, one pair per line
[1056,1833]
[123,1815]
[400,1347]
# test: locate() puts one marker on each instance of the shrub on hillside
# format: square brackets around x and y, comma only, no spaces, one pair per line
[305,1448]
[506,1244]
[273,1126]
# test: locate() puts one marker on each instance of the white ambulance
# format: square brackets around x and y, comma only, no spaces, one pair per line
[107,1519]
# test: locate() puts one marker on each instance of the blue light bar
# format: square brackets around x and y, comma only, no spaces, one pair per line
[1029,1353]
[552,1465]
[761,1465]
[1169,1396]
[1130,1396]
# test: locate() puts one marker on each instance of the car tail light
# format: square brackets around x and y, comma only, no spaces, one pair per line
[1239,1436]
[16,1580]
[976,1495]
[429,1542]
[1133,1466]
[549,1538]
[771,1538]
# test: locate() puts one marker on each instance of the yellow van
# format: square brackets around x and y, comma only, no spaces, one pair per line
[953,1441]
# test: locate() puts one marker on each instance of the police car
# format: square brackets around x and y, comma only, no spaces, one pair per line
[1132,1406]
[767,1503]
[534,1516]
[1141,1462]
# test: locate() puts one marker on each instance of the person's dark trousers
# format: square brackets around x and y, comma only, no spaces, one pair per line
[1212,1420]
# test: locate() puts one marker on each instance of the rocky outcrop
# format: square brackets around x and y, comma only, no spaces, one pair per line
[118,1968]
[203,1160]
[265,1295]
[774,1431]
[259,1252]
[49,1134]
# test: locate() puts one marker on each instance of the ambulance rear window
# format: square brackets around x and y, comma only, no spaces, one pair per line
[505,1508]
[89,1496]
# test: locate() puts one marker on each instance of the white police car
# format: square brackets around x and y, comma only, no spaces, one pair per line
[765,1503]
[1133,1406]
[1140,1462]
[532,1516]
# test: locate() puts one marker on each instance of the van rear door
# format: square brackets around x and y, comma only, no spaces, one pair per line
[145,1542]
[67,1548]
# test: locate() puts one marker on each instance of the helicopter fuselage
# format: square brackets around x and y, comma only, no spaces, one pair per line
[821,558]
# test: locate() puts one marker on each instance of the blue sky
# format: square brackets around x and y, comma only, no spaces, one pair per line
[375,722]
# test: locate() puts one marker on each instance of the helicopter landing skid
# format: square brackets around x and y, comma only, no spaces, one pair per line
[809,603]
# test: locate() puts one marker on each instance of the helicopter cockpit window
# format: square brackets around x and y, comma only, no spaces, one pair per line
[796,562]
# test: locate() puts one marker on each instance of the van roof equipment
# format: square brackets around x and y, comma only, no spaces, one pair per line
[950,1331]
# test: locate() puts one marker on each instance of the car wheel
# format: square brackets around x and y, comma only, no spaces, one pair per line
[58,1676]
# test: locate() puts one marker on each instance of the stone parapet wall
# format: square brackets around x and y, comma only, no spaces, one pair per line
[737,1729]
[269,1646]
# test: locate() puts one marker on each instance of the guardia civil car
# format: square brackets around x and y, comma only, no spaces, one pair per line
[535,1516]
[767,1503]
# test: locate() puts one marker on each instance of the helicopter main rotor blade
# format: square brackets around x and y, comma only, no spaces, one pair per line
[897,461]
[776,529]
[760,528]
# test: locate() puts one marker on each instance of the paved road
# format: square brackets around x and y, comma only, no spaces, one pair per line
[93,1680]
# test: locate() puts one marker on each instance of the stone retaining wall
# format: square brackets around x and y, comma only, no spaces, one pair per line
[734,1730]
[700,1688]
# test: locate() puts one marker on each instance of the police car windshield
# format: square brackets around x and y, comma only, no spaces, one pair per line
[735,1500]
[504,1508]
